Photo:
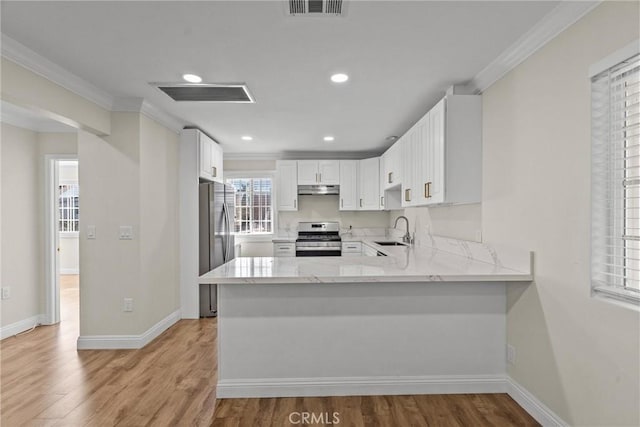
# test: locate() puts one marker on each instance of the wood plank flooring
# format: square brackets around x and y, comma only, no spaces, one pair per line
[455,410]
[45,381]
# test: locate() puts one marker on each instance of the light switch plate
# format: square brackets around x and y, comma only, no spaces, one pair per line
[6,293]
[126,232]
[91,231]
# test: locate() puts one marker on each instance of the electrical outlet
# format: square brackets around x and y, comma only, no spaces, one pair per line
[479,236]
[91,231]
[127,304]
[511,354]
[6,293]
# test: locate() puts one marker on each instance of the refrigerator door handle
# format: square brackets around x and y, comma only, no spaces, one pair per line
[224,241]
[228,232]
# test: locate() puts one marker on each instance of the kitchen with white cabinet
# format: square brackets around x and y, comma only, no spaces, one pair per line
[425,208]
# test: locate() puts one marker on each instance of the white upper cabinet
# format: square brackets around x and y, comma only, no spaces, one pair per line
[391,166]
[369,184]
[287,185]
[442,154]
[329,172]
[348,185]
[324,172]
[210,156]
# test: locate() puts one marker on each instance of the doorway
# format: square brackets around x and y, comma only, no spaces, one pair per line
[63,238]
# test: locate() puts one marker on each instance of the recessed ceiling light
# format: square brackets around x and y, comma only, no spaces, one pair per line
[391,138]
[247,138]
[192,78]
[339,78]
[329,139]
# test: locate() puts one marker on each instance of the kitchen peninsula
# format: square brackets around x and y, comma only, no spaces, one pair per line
[423,319]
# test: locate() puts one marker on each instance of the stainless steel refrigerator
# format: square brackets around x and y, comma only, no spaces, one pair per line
[217,207]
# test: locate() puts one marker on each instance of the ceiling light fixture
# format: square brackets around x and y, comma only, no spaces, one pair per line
[192,78]
[247,138]
[339,78]
[329,139]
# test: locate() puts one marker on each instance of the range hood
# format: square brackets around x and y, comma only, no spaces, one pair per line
[318,190]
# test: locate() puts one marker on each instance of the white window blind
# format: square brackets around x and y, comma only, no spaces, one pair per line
[615,160]
[254,205]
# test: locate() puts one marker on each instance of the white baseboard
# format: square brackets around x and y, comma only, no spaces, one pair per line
[532,405]
[69,271]
[21,326]
[118,342]
[360,386]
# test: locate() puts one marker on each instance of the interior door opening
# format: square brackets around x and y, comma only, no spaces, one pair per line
[63,230]
[68,240]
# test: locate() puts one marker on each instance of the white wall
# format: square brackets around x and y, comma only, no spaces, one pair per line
[22,268]
[129,178]
[110,268]
[159,219]
[578,355]
[23,154]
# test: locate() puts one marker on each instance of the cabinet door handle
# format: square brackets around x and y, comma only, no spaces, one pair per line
[381,200]
[360,202]
[407,195]
[390,179]
[320,179]
[295,203]
[214,171]
[342,203]
[427,190]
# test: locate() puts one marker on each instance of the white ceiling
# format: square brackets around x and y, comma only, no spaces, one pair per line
[401,57]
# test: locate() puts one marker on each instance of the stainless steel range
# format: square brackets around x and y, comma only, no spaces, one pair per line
[318,239]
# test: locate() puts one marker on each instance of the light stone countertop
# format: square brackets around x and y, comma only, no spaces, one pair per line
[436,259]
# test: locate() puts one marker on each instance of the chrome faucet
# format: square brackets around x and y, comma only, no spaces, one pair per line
[407,237]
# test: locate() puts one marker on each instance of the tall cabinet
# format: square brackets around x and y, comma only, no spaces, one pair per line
[287,179]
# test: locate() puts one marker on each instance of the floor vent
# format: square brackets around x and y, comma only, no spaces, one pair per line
[197,92]
[315,7]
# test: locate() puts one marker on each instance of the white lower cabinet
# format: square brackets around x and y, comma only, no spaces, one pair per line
[284,249]
[351,248]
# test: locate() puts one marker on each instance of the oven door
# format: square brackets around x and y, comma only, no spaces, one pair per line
[318,250]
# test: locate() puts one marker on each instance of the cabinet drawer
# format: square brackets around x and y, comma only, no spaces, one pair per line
[351,248]
[284,249]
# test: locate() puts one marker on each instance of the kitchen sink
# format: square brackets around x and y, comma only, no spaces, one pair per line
[390,243]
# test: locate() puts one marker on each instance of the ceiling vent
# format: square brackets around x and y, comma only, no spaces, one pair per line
[205,92]
[315,7]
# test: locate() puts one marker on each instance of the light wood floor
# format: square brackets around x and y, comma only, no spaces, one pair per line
[45,381]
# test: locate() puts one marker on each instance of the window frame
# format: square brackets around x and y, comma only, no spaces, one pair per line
[62,233]
[271,174]
[609,292]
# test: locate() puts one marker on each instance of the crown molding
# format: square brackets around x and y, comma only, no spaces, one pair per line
[140,105]
[559,19]
[303,155]
[27,58]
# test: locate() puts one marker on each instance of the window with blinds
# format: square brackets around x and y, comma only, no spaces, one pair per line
[254,207]
[615,213]
[68,208]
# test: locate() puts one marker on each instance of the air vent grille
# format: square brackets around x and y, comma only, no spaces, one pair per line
[315,7]
[233,93]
